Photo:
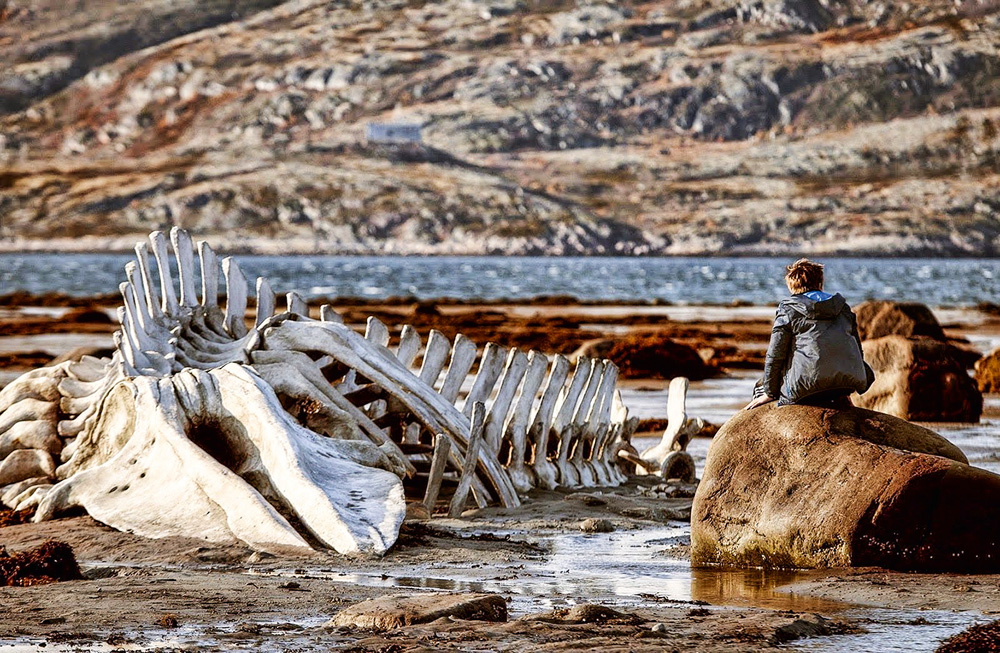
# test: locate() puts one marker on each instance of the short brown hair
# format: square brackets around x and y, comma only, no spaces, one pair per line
[803,275]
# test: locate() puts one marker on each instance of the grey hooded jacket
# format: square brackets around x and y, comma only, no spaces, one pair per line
[814,348]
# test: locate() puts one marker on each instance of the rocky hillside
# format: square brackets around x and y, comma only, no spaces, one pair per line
[549,126]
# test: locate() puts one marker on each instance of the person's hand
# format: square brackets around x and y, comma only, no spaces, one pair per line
[759,401]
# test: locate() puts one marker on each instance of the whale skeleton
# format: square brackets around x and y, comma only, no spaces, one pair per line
[292,431]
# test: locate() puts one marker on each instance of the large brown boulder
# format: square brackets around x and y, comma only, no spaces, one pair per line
[988,372]
[878,318]
[801,486]
[654,356]
[920,379]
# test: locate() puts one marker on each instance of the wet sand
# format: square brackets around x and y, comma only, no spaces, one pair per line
[230,597]
[226,596]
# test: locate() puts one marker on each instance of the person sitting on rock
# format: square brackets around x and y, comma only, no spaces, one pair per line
[814,356]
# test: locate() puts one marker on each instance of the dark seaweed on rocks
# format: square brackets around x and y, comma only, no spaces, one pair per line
[15,517]
[978,639]
[50,562]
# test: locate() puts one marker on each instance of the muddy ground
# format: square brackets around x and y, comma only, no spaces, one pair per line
[181,593]
[184,594]
[230,597]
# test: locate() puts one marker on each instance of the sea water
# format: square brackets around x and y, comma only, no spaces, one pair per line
[686,280]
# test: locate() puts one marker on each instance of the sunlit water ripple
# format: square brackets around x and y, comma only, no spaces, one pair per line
[938,282]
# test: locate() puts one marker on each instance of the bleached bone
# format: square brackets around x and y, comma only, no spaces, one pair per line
[546,473]
[21,464]
[236,297]
[563,425]
[463,356]
[376,332]
[265,301]
[517,425]
[293,416]
[30,434]
[581,420]
[9,493]
[514,370]
[599,425]
[387,373]
[473,447]
[490,366]
[409,345]
[670,452]
[215,432]
[442,450]
[435,357]
[296,304]
[327,314]
[30,497]
[41,384]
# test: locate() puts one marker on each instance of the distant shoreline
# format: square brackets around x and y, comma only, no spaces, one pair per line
[297,248]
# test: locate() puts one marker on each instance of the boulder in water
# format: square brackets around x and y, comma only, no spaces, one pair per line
[920,379]
[801,486]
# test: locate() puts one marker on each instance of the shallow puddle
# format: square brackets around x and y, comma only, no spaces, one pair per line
[622,569]
[888,630]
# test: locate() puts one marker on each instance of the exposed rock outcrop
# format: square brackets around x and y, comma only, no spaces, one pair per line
[548,128]
[920,379]
[800,486]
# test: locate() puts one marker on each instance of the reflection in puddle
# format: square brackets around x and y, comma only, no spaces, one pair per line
[620,569]
[759,588]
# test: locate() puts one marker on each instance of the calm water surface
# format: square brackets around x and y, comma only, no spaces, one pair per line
[937,282]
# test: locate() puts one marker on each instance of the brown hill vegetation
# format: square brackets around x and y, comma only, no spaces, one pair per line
[700,126]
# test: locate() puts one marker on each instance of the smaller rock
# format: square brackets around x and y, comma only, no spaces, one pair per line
[921,380]
[167,621]
[585,613]
[416,511]
[988,372]
[652,356]
[259,556]
[809,626]
[659,627]
[591,525]
[394,611]
[89,315]
[877,319]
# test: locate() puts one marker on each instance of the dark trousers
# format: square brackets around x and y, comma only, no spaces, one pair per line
[838,399]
